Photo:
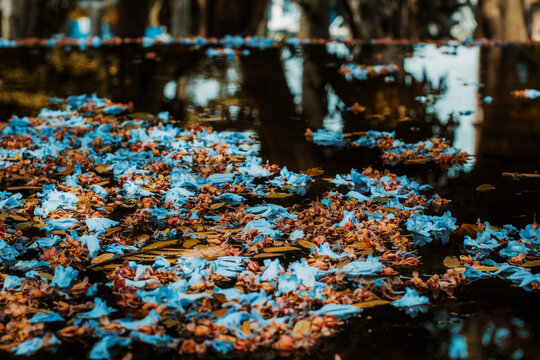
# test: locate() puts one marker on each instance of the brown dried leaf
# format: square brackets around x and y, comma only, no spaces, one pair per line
[275,195]
[18,217]
[267,255]
[217,206]
[485,188]
[102,258]
[312,172]
[370,304]
[451,262]
[17,188]
[302,326]
[531,264]
[188,244]
[207,253]
[306,244]
[67,171]
[280,249]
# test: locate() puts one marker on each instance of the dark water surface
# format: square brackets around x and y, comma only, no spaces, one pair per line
[276,94]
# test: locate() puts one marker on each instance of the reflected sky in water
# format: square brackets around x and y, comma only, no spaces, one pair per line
[458,70]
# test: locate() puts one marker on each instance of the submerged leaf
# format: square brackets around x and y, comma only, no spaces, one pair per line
[275,195]
[451,262]
[102,258]
[372,303]
[280,249]
[485,188]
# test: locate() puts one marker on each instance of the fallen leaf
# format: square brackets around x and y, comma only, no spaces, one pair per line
[67,171]
[102,258]
[209,253]
[157,245]
[112,230]
[519,175]
[188,244]
[18,217]
[370,304]
[280,249]
[531,264]
[17,188]
[102,168]
[306,244]
[417,161]
[485,188]
[246,328]
[302,326]
[275,195]
[217,206]
[143,116]
[312,172]
[267,255]
[451,262]
[220,312]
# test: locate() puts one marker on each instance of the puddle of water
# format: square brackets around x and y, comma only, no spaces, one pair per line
[277,94]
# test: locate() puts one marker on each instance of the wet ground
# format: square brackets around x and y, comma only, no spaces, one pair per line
[278,93]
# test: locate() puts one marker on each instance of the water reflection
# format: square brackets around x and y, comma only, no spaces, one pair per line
[457,70]
[276,94]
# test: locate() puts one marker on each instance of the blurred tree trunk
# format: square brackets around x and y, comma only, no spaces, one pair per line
[19,18]
[535,21]
[132,16]
[514,21]
[181,11]
[237,17]
[203,18]
[315,20]
[502,20]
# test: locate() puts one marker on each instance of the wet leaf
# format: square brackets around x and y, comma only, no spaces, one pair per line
[531,264]
[302,326]
[471,230]
[275,195]
[417,161]
[148,189]
[280,249]
[267,255]
[485,188]
[237,230]
[26,225]
[246,327]
[343,262]
[370,304]
[306,244]
[451,262]
[18,188]
[217,206]
[220,312]
[157,245]
[356,133]
[208,253]
[359,245]
[144,116]
[217,118]
[46,275]
[102,168]
[188,244]
[382,199]
[102,258]
[112,230]
[18,217]
[520,175]
[312,172]
[67,171]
